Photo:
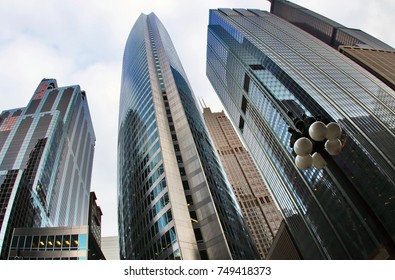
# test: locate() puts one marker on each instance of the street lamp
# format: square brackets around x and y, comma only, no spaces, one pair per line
[312,140]
[313,143]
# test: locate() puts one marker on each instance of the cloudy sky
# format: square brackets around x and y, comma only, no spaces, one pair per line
[82,42]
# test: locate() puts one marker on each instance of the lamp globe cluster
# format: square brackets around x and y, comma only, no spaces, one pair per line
[318,131]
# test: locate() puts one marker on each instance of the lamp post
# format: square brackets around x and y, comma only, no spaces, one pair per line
[312,140]
[314,143]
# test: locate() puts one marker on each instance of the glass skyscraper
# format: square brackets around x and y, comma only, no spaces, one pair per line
[46,154]
[269,73]
[174,201]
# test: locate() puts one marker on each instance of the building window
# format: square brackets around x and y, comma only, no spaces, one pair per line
[257,67]
[246,82]
[241,123]
[244,103]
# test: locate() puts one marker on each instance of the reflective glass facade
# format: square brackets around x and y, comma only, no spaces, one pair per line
[262,68]
[46,153]
[174,201]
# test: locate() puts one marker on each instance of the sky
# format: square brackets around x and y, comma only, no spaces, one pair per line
[82,42]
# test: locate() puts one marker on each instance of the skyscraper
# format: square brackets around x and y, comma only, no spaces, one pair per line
[260,212]
[272,78]
[46,153]
[174,201]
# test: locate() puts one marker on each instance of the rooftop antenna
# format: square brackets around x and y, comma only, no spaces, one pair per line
[202,103]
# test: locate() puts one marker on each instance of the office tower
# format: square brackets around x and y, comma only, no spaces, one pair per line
[323,28]
[174,201]
[275,80]
[260,212]
[46,153]
[110,247]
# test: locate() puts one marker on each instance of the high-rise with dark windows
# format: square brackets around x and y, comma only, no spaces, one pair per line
[46,154]
[279,84]
[174,201]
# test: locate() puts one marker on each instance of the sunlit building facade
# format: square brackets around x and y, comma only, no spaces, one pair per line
[259,210]
[46,154]
[268,74]
[174,201]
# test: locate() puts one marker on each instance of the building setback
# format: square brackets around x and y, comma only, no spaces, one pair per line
[273,78]
[174,201]
[259,210]
[323,28]
[46,153]
[369,52]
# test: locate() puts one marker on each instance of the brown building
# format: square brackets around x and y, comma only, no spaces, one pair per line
[283,247]
[323,28]
[378,62]
[260,212]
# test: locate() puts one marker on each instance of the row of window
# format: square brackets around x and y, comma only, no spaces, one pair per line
[50,243]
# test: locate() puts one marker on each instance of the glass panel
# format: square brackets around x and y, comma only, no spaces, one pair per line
[74,242]
[14,242]
[35,242]
[82,242]
[21,241]
[50,243]
[43,241]
[58,242]
[66,242]
[28,242]
[177,255]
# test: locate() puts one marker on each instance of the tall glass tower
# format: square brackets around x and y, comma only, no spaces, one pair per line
[174,201]
[46,154]
[271,77]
